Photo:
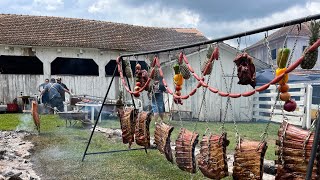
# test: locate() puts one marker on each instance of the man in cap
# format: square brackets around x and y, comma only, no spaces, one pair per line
[53,89]
[64,86]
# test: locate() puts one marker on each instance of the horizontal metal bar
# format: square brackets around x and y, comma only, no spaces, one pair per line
[255,31]
[123,150]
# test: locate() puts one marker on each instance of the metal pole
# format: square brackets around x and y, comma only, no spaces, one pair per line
[95,124]
[314,149]
[255,31]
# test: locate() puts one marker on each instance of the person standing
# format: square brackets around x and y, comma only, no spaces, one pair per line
[53,89]
[63,96]
[45,97]
[156,96]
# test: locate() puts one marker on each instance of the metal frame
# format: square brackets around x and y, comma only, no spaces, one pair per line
[255,31]
[96,122]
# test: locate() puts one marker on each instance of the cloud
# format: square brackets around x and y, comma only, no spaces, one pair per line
[50,5]
[145,14]
[220,29]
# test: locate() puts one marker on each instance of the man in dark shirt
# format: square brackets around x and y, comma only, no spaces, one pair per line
[45,97]
[53,89]
[64,86]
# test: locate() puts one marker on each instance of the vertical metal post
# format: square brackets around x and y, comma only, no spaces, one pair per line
[95,124]
[314,149]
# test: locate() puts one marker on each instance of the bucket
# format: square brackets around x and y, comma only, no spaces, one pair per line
[12,108]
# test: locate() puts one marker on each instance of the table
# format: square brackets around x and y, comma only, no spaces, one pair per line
[92,107]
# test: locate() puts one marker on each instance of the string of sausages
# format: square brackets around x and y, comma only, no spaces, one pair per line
[201,81]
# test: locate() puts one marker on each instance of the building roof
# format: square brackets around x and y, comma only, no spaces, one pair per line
[282,32]
[71,32]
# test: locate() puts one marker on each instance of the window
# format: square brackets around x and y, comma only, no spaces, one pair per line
[20,65]
[303,48]
[112,64]
[74,66]
[274,53]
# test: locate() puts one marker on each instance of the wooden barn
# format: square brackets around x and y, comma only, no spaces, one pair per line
[82,52]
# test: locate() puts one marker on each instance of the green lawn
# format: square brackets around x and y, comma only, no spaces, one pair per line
[59,149]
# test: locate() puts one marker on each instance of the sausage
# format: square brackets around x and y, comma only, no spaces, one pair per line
[160,72]
[184,97]
[199,85]
[169,90]
[185,59]
[314,46]
[262,88]
[164,82]
[216,53]
[190,68]
[277,79]
[180,57]
[196,76]
[214,90]
[236,95]
[294,65]
[193,92]
[158,62]
[152,72]
[223,94]
[204,84]
[248,93]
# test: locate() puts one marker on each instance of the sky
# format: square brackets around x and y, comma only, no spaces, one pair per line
[214,18]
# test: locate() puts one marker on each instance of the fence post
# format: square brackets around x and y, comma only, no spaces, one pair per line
[308,106]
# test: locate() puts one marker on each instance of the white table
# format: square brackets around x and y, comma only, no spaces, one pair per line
[92,107]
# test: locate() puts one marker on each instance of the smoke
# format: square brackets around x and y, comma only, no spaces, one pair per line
[25,123]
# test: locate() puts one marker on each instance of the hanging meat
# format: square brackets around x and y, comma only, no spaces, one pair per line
[142,133]
[212,160]
[185,147]
[141,79]
[35,115]
[248,160]
[294,150]
[246,69]
[128,118]
[162,139]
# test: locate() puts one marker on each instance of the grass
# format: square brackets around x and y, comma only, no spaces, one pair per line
[58,150]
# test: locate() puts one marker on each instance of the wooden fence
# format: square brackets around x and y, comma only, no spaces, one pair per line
[263,103]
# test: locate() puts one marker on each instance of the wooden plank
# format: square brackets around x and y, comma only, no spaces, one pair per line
[275,94]
[255,102]
[292,86]
[278,111]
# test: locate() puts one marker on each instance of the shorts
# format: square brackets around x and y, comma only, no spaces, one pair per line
[157,103]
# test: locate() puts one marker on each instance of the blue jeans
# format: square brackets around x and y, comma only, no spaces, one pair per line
[157,103]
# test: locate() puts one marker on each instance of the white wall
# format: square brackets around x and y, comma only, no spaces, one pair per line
[11,84]
[215,103]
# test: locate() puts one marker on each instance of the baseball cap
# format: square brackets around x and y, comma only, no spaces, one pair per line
[59,78]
